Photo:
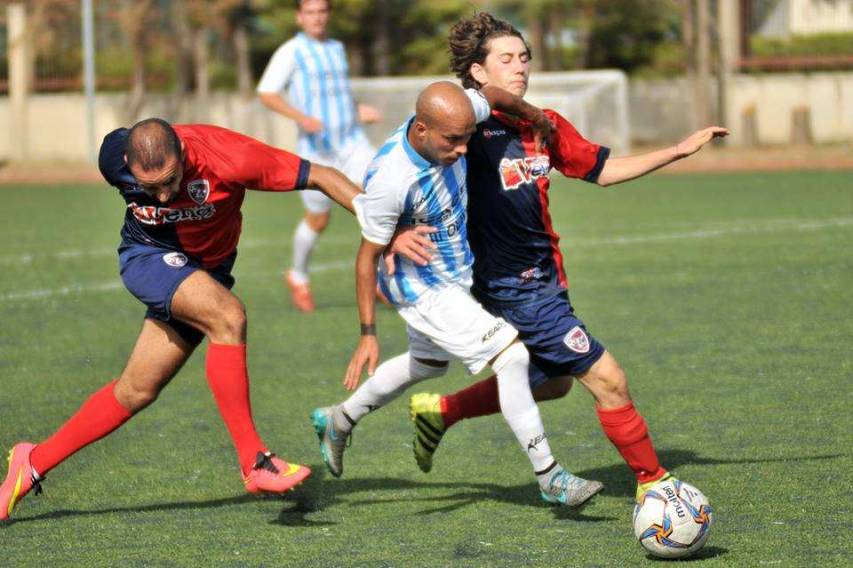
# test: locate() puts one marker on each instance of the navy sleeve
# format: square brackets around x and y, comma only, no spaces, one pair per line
[601,157]
[111,159]
[302,176]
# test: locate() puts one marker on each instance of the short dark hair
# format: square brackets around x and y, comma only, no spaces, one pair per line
[469,43]
[298,4]
[151,143]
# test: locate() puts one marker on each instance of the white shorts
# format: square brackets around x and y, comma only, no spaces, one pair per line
[352,160]
[448,322]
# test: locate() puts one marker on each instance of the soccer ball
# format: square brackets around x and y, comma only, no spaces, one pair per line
[673,520]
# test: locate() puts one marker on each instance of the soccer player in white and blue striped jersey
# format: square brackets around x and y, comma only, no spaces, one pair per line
[307,81]
[418,178]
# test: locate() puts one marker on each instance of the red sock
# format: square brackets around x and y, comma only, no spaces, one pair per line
[480,399]
[629,433]
[98,416]
[228,378]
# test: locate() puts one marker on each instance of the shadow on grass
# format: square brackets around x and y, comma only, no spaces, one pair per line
[704,554]
[318,494]
[618,480]
[174,506]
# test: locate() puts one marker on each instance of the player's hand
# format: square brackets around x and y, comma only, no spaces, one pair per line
[366,352]
[368,114]
[311,125]
[411,242]
[695,141]
[542,130]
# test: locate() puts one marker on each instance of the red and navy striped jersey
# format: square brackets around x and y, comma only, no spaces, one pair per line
[517,255]
[204,219]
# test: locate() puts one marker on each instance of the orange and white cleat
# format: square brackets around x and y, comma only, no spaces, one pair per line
[300,293]
[20,479]
[274,475]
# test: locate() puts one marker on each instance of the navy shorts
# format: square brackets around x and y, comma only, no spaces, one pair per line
[555,337]
[153,275]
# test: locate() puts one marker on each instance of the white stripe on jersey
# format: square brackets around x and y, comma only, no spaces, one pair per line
[402,187]
[315,76]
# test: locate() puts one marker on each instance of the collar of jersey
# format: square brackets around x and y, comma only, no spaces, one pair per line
[421,162]
[306,37]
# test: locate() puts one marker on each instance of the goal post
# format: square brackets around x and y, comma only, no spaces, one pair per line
[596,102]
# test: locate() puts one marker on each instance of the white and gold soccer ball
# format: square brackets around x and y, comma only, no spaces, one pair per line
[673,520]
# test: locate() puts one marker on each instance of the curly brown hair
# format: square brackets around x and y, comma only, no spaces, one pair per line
[469,43]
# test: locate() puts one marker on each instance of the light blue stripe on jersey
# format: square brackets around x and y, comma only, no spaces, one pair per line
[306,105]
[445,247]
[338,134]
[349,116]
[325,114]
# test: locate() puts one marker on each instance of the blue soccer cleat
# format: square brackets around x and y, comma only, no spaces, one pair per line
[333,442]
[570,490]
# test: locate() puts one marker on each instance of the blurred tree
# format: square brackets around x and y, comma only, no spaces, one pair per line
[382,36]
[135,19]
[625,33]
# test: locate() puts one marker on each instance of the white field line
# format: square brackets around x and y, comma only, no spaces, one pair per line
[777,225]
[117,285]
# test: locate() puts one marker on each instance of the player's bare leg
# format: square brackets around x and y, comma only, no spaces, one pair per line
[158,355]
[621,422]
[304,240]
[207,305]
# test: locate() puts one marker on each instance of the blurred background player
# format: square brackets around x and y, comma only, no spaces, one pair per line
[179,244]
[418,177]
[518,267]
[313,70]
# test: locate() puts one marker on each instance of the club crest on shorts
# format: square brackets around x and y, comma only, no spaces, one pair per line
[577,340]
[199,190]
[175,259]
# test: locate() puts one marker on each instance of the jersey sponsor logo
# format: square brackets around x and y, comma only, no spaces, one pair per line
[515,173]
[199,190]
[151,215]
[577,340]
[531,274]
[175,259]
[488,133]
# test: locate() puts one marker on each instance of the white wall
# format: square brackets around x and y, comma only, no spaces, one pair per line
[660,112]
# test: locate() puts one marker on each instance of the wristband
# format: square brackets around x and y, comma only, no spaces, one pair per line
[368,329]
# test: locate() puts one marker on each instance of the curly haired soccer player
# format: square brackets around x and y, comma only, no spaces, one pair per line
[184,186]
[518,267]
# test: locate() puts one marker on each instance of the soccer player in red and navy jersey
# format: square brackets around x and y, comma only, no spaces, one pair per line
[518,267]
[183,186]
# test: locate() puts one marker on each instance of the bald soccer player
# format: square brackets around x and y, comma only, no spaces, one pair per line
[418,178]
[184,186]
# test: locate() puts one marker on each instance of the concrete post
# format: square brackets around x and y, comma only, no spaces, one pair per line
[729,51]
[19,74]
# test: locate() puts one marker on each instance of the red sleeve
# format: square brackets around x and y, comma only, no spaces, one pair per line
[573,155]
[249,162]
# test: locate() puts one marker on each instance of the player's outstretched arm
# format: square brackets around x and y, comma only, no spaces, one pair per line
[367,351]
[506,102]
[617,170]
[334,184]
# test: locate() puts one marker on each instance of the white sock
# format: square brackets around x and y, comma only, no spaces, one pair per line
[388,382]
[518,407]
[304,240]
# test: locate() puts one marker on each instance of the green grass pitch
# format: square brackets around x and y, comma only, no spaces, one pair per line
[727,299]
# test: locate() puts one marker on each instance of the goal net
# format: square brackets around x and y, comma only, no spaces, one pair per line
[596,102]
